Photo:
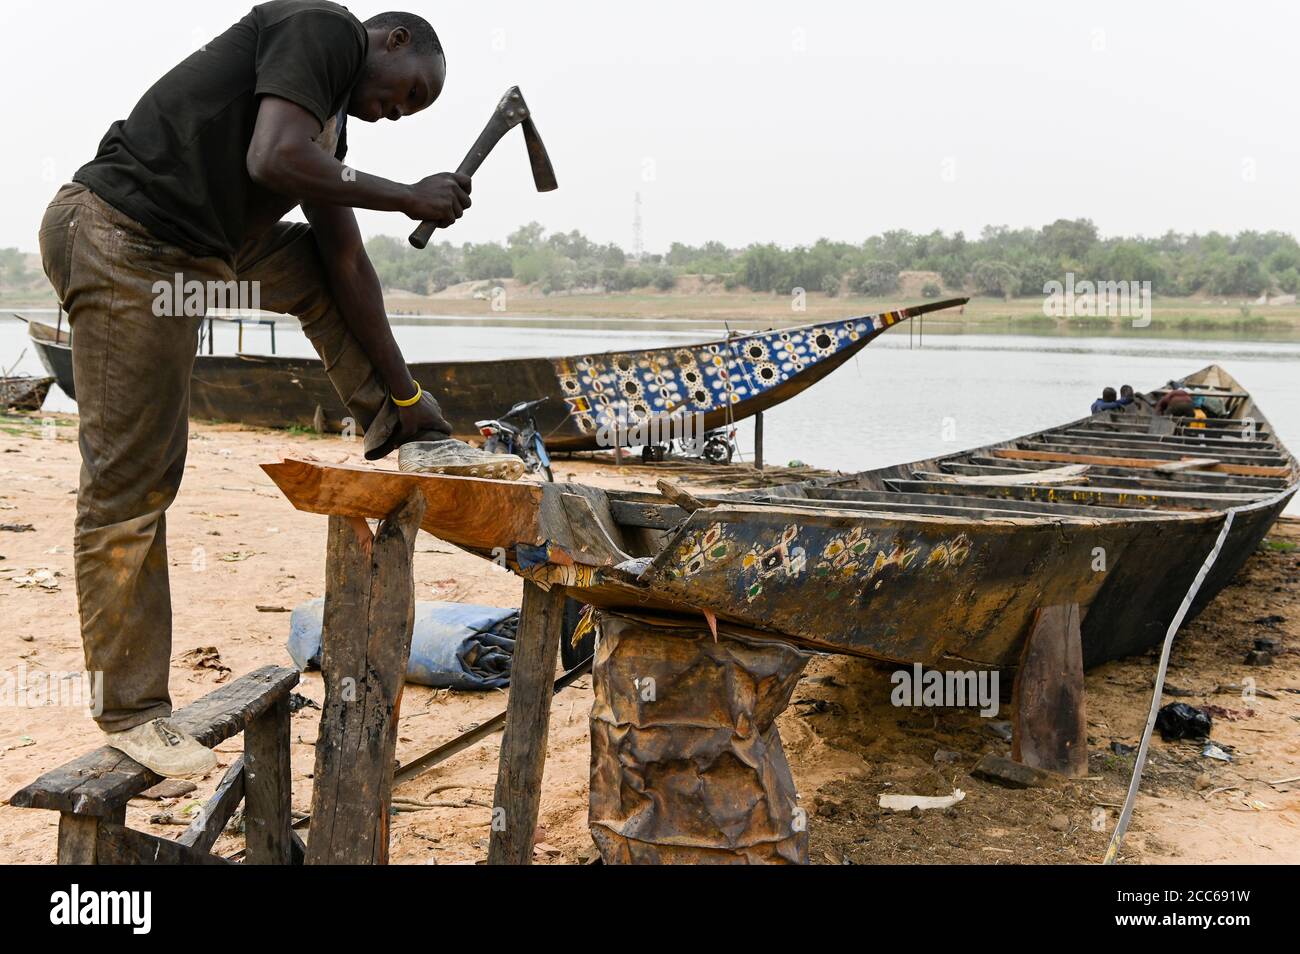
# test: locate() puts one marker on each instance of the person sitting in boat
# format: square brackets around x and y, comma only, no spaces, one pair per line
[1126,395]
[1176,402]
[1108,401]
[181,205]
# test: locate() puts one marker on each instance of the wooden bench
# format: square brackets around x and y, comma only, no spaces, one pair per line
[91,792]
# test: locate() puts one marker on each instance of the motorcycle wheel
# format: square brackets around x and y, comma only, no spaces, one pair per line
[717,452]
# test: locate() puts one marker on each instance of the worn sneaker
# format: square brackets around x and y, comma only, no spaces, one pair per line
[164,749]
[457,458]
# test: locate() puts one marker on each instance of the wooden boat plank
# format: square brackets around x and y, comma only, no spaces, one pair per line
[936,505]
[1244,470]
[1187,463]
[1107,475]
[1072,473]
[1174,440]
[1200,476]
[1115,497]
[1050,441]
[961,496]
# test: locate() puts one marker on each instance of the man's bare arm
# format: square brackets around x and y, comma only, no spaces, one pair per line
[282,157]
[357,291]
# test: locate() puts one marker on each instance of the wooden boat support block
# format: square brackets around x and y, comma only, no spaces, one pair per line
[1011,774]
[687,765]
[1050,731]
[365,642]
[528,717]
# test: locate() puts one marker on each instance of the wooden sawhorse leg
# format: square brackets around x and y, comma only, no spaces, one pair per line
[528,716]
[365,645]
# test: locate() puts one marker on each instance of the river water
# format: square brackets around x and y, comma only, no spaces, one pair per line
[894,402]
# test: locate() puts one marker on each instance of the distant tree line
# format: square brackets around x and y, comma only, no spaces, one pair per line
[1002,262]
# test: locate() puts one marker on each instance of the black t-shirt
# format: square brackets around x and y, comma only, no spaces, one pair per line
[177,163]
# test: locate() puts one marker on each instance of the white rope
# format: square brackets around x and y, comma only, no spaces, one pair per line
[1117,837]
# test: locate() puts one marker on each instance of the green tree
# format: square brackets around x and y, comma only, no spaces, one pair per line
[486,261]
[874,278]
[995,278]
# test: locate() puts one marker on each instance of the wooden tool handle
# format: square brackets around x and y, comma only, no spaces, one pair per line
[468,166]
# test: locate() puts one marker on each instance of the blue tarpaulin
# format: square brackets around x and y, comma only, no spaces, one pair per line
[454,645]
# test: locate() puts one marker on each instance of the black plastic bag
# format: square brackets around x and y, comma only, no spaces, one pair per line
[1178,720]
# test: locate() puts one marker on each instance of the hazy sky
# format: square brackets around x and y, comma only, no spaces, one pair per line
[759,121]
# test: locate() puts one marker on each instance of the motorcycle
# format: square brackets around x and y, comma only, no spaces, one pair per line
[520,438]
[717,447]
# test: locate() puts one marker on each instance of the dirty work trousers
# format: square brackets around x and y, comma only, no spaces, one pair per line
[131,369]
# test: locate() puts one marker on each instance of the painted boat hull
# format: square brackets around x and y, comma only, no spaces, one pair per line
[870,565]
[596,400]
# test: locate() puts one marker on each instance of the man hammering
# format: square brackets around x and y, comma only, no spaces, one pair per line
[191,187]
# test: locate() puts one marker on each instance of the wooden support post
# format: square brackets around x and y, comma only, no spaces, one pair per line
[366,641]
[1050,731]
[79,836]
[528,714]
[758,441]
[268,784]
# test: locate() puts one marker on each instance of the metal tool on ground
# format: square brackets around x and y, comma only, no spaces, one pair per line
[512,111]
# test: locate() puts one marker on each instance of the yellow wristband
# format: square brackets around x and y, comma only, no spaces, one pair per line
[419,392]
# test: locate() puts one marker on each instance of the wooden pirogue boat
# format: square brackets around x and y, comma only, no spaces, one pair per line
[24,392]
[941,561]
[593,397]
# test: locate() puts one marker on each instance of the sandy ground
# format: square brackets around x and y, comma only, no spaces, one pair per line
[240,554]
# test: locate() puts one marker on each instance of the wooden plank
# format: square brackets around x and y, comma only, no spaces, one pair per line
[1230,451]
[588,536]
[1077,445]
[119,845]
[960,501]
[1169,440]
[206,829]
[1138,463]
[467,511]
[268,785]
[1233,482]
[653,516]
[1012,774]
[1189,463]
[528,715]
[1049,730]
[1134,498]
[1055,475]
[101,782]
